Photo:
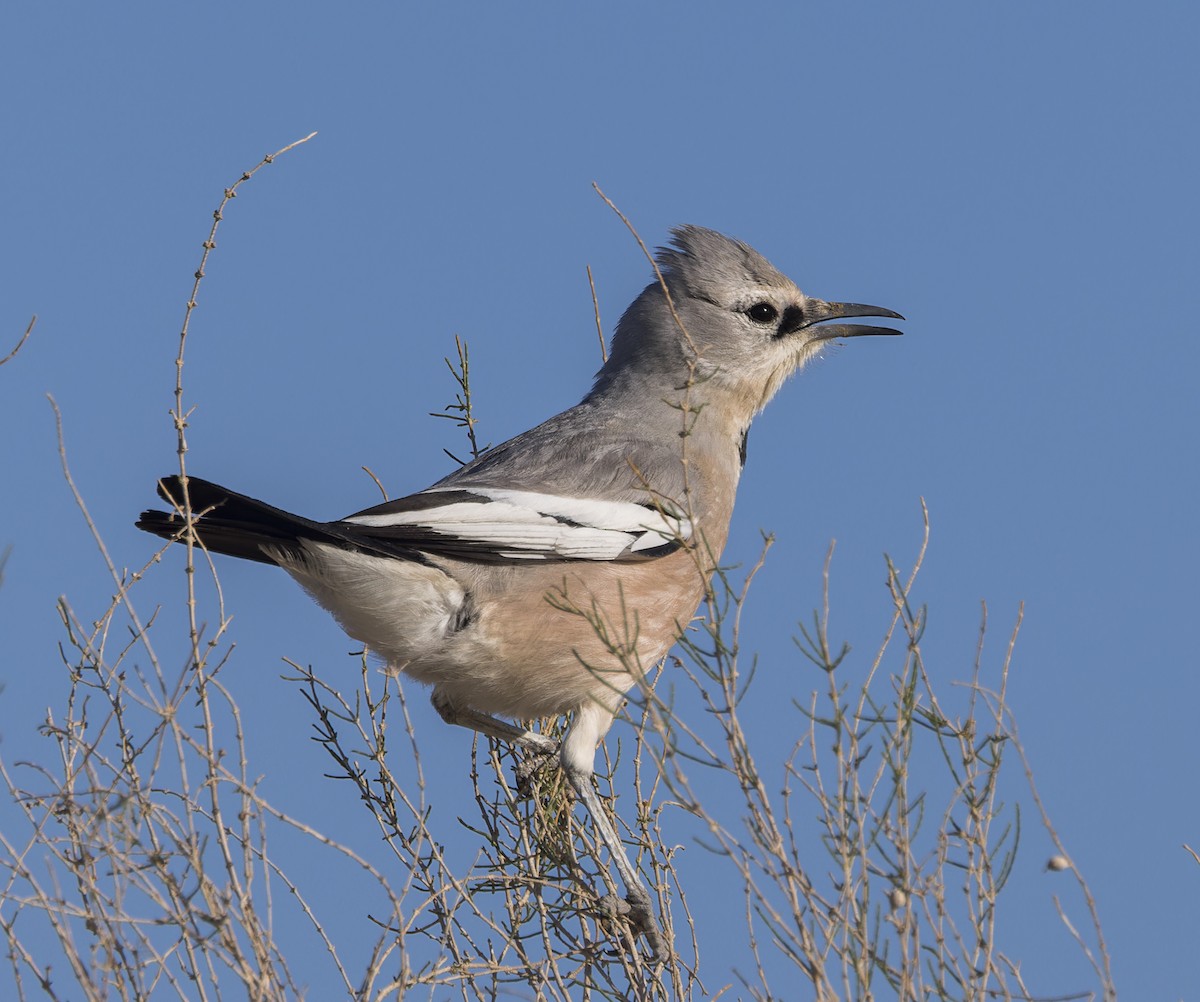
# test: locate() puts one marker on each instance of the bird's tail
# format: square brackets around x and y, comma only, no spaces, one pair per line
[228,522]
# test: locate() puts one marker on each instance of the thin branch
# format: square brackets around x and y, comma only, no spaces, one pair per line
[653,264]
[596,310]
[20,344]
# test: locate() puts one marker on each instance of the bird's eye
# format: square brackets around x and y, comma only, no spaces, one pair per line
[763,313]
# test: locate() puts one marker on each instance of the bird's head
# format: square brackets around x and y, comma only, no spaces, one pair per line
[731,322]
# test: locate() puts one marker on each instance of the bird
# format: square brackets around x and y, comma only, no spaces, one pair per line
[550,573]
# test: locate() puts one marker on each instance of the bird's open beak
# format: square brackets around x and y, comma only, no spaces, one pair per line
[817,311]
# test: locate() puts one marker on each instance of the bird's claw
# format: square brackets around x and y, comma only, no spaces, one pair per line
[533,761]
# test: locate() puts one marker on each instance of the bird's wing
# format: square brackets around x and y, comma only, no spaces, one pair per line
[488,523]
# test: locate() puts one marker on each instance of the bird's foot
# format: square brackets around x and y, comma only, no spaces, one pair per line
[637,910]
[529,764]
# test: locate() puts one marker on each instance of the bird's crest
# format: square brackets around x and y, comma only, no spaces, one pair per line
[708,263]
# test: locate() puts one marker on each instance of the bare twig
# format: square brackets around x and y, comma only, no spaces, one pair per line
[20,344]
[462,411]
[653,264]
[378,483]
[596,310]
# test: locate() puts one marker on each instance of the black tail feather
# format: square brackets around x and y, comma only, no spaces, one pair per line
[240,526]
[228,522]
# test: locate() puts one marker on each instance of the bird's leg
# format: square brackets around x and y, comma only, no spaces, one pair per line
[539,747]
[492,727]
[591,723]
[641,908]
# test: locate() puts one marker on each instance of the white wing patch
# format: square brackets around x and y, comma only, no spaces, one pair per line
[526,525]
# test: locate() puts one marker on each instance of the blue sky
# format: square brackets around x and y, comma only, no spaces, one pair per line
[1018,180]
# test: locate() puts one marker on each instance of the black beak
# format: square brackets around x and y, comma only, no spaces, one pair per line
[818,311]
